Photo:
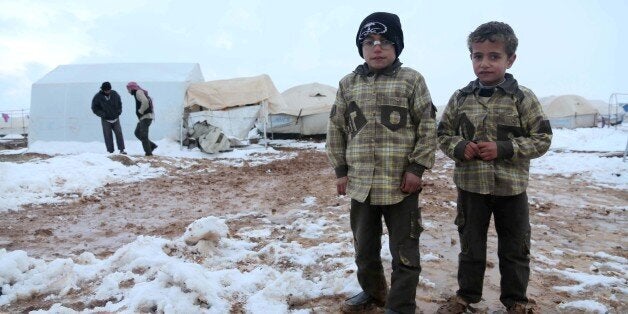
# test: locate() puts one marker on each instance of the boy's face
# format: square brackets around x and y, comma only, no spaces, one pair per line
[377,57]
[490,61]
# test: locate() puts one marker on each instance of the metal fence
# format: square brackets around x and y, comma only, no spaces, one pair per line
[14,121]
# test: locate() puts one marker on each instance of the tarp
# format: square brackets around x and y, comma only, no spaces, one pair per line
[223,94]
[234,122]
[61,100]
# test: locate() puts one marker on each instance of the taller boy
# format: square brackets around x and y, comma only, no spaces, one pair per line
[492,128]
[381,137]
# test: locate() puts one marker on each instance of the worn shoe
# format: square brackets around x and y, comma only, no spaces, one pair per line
[520,308]
[122,152]
[360,302]
[454,305]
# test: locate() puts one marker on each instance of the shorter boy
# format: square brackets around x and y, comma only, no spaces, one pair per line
[492,128]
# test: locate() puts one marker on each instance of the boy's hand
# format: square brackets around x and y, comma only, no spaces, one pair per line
[488,150]
[411,183]
[341,185]
[471,151]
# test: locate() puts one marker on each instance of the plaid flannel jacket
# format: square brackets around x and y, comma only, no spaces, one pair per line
[381,125]
[513,118]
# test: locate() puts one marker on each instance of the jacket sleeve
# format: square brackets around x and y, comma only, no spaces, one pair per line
[538,137]
[449,142]
[336,144]
[96,109]
[141,97]
[118,104]
[424,115]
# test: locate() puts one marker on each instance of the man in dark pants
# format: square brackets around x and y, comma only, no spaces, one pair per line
[381,138]
[107,105]
[144,112]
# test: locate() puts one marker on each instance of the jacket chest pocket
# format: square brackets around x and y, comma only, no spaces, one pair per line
[394,113]
[508,126]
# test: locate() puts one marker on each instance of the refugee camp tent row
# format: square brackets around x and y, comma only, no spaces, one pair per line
[570,111]
[61,100]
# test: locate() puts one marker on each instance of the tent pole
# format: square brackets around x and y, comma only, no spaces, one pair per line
[181,135]
[265,108]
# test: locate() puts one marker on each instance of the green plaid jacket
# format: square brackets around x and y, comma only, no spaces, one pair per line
[381,125]
[513,118]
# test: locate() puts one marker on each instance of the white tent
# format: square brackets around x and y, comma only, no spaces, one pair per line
[307,111]
[61,100]
[233,105]
[570,111]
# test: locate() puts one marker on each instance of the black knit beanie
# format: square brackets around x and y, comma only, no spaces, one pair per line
[105,86]
[382,23]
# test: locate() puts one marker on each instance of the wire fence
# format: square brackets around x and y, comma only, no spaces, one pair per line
[14,121]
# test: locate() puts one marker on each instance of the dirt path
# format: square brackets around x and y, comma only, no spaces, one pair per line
[165,206]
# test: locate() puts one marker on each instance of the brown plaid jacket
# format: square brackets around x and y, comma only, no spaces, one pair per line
[513,118]
[381,125]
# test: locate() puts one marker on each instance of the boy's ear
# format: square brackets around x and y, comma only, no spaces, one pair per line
[511,60]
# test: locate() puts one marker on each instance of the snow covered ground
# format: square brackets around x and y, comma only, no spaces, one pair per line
[164,275]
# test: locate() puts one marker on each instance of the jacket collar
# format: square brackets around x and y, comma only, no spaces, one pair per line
[363,69]
[509,85]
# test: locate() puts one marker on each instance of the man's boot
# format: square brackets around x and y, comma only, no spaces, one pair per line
[361,302]
[454,305]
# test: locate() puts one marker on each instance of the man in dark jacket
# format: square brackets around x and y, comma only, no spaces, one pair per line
[107,105]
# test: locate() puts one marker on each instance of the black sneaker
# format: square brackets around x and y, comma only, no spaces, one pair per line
[122,152]
[361,302]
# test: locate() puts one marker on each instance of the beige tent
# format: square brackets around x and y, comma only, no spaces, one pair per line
[307,111]
[233,105]
[570,111]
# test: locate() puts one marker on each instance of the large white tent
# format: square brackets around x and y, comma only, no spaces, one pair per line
[307,110]
[570,111]
[61,100]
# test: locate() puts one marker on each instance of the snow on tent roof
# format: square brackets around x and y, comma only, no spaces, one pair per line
[222,94]
[309,99]
[568,105]
[122,72]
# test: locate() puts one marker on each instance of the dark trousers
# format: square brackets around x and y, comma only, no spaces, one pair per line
[403,221]
[141,132]
[512,224]
[107,129]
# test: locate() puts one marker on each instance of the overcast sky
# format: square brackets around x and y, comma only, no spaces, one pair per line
[565,47]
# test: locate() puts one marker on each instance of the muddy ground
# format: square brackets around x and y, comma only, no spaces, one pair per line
[566,214]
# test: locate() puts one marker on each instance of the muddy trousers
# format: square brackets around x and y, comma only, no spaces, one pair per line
[512,224]
[107,129]
[141,132]
[403,221]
